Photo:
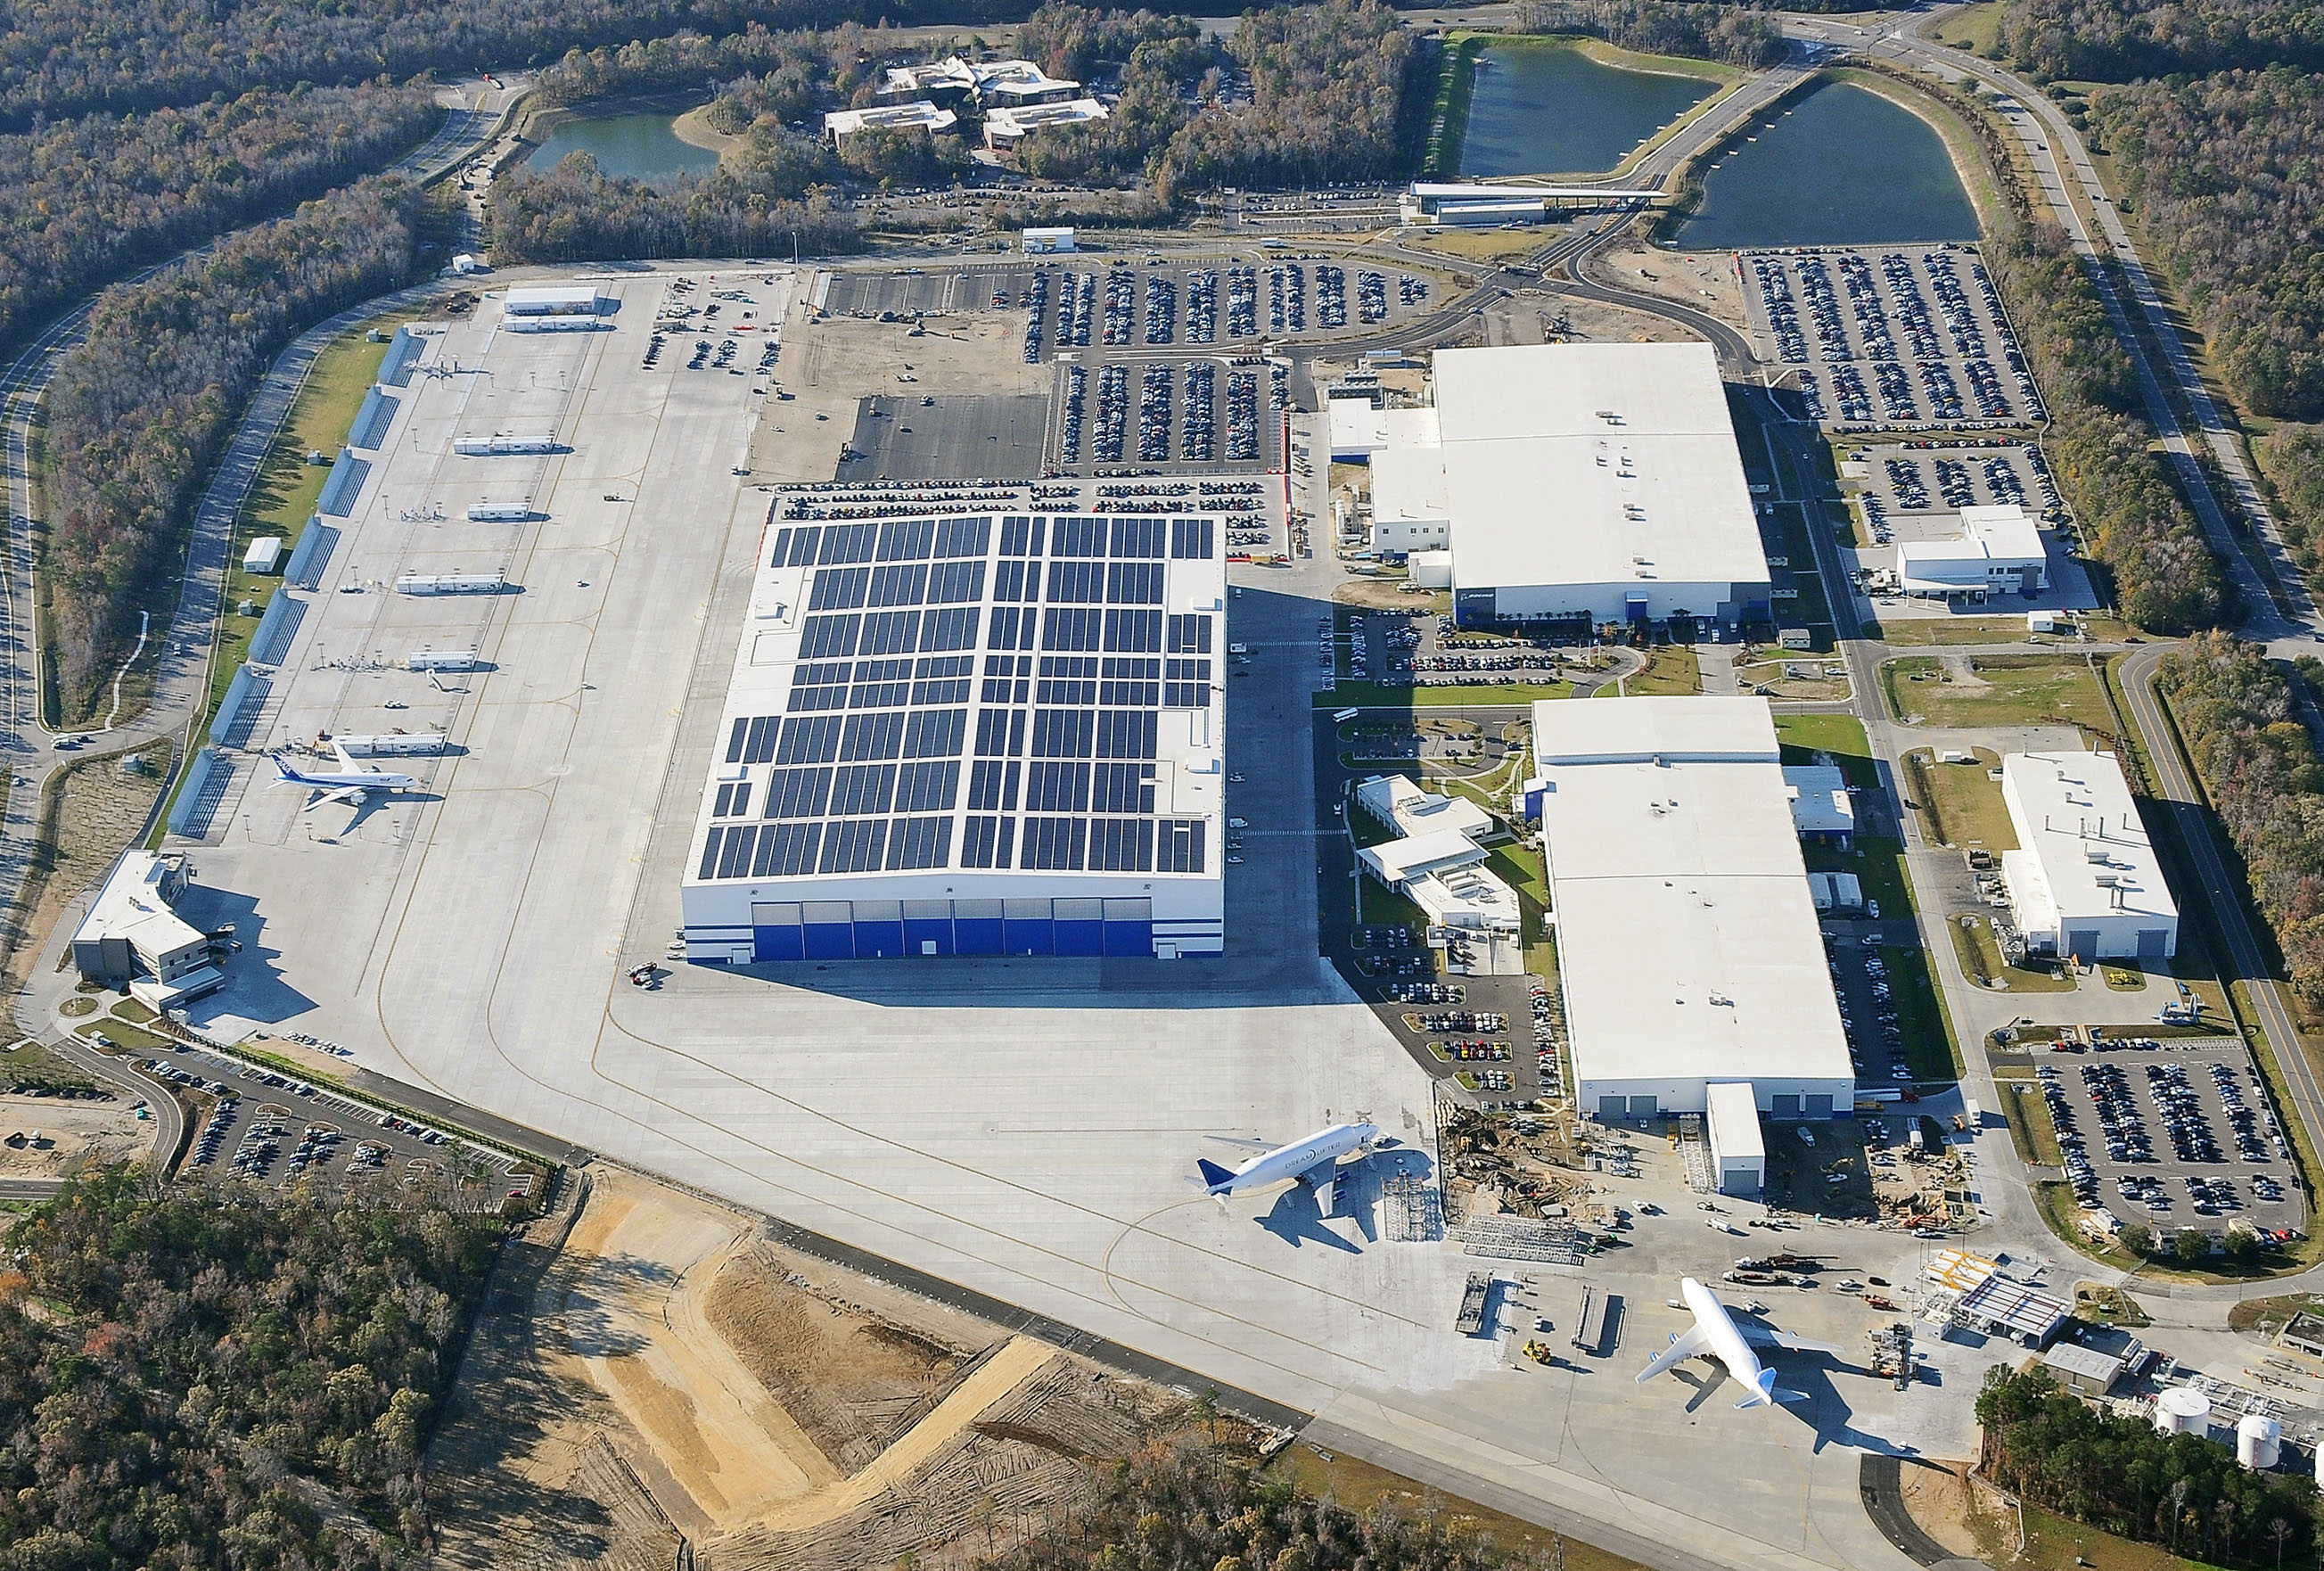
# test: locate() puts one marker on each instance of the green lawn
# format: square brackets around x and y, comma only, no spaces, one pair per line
[1981,958]
[1943,630]
[1520,868]
[1841,735]
[284,495]
[2028,1115]
[1961,803]
[1995,690]
[1974,28]
[1670,669]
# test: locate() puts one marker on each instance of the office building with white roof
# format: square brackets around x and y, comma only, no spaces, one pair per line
[2083,881]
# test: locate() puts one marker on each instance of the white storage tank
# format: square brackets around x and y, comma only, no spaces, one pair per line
[2259,1441]
[2182,1410]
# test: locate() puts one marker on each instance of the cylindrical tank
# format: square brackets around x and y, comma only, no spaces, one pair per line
[2182,1410]
[2258,1440]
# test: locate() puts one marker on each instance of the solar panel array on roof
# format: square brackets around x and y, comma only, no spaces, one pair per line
[1055,710]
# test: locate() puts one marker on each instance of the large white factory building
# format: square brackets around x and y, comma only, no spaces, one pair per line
[2084,881]
[1585,483]
[970,735]
[1688,948]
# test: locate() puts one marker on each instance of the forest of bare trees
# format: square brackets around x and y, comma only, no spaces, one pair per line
[137,415]
[2121,41]
[1734,35]
[92,198]
[2222,176]
[185,1375]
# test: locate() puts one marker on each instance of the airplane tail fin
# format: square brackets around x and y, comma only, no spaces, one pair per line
[1212,1174]
[1766,1394]
[283,773]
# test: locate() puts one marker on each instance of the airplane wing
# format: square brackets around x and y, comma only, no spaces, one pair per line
[351,794]
[1321,1175]
[1693,1343]
[1765,1337]
[1250,1145]
[348,761]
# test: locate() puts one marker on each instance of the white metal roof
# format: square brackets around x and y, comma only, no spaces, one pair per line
[1440,191]
[2079,831]
[1687,939]
[1733,1110]
[1681,729]
[1579,463]
[1397,800]
[1466,896]
[130,906]
[1395,860]
[1359,428]
[919,113]
[1017,120]
[1820,804]
[548,296]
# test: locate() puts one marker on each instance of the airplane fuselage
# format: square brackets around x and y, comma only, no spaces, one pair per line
[1293,1160]
[1727,1344]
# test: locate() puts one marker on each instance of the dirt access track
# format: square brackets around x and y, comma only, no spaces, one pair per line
[679,1379]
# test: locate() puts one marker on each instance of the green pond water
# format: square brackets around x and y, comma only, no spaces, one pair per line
[1844,167]
[631,146]
[1542,110]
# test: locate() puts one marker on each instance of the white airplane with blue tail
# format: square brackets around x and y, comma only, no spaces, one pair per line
[1313,1162]
[351,783]
[1716,1335]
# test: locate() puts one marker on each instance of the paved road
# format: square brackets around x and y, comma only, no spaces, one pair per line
[181,679]
[2057,151]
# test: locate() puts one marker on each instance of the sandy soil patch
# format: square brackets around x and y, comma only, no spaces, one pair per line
[1705,280]
[680,1382]
[75,1135]
[1945,1505]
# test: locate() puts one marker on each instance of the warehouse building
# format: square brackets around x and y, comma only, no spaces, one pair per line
[970,735]
[2084,881]
[1577,485]
[1689,953]
[1999,551]
[1822,811]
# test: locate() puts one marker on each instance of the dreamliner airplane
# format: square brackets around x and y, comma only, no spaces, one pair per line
[350,782]
[1717,1335]
[1310,1161]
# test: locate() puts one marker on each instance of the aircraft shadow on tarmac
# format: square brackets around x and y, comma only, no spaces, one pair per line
[1299,1215]
[1826,1411]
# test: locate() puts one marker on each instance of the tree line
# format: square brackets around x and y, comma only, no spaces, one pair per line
[139,412]
[2292,457]
[1737,35]
[2120,1475]
[2222,173]
[1169,1507]
[180,1370]
[2240,719]
[2121,41]
[91,198]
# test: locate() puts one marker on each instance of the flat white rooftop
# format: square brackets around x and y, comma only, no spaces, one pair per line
[1395,861]
[1359,429]
[1688,947]
[918,114]
[1398,801]
[1002,120]
[1584,464]
[1820,804]
[2078,825]
[1734,1119]
[130,906]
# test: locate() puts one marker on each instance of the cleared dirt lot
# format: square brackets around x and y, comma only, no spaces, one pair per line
[74,1134]
[662,1374]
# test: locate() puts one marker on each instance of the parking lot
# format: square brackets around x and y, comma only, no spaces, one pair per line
[1891,338]
[2174,1133]
[946,436]
[1418,649]
[1866,992]
[1210,413]
[1492,1033]
[1912,490]
[271,1128]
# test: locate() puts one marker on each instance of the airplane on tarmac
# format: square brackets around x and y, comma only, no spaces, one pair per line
[351,783]
[1717,1335]
[1311,1161]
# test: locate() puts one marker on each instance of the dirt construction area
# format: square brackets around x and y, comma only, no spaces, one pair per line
[54,1137]
[680,1380]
